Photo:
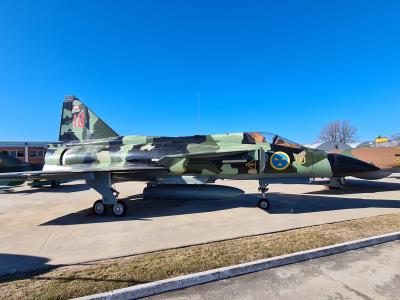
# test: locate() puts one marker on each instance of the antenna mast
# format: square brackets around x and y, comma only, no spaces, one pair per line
[198,112]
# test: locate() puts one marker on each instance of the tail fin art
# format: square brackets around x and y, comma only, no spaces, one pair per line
[79,123]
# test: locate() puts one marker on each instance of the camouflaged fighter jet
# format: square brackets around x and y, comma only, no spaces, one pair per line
[91,150]
[10,164]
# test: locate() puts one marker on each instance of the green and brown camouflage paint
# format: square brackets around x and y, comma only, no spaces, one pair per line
[88,143]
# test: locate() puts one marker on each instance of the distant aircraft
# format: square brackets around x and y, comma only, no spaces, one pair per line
[386,157]
[92,151]
[12,164]
[382,153]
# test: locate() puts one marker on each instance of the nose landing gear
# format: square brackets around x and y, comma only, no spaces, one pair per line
[263,203]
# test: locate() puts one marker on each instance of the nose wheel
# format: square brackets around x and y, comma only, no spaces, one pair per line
[263,203]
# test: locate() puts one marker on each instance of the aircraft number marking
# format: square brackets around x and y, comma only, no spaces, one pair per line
[300,160]
[79,120]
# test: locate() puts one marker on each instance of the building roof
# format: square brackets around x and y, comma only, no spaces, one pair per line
[23,144]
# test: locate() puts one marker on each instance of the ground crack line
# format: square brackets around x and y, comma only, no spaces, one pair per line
[45,241]
[357,292]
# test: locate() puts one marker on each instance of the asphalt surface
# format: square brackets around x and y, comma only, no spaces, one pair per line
[41,227]
[369,273]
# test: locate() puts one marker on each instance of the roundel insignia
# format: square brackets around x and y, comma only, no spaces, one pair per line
[279,160]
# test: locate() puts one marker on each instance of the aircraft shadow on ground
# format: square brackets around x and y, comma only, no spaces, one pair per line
[18,267]
[359,186]
[281,203]
[48,189]
[299,204]
[12,266]
[145,210]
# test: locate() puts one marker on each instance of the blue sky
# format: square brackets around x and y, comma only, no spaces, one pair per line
[282,66]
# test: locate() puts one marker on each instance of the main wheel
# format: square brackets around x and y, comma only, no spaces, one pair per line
[120,209]
[99,208]
[264,204]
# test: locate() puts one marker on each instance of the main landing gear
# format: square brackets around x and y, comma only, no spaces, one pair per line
[109,204]
[263,203]
[118,209]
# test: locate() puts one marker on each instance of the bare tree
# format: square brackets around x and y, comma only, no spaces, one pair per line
[338,131]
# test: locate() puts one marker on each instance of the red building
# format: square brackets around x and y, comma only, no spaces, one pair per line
[30,152]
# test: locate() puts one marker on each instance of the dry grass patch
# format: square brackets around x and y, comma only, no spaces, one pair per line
[75,281]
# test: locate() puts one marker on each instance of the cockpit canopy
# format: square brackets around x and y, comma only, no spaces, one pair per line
[274,139]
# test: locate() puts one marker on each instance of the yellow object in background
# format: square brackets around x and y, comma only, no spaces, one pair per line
[381,140]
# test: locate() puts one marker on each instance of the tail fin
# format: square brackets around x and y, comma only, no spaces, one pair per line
[79,123]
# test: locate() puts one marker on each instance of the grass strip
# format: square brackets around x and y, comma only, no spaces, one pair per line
[80,280]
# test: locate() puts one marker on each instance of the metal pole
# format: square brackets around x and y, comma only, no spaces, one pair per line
[198,112]
[26,154]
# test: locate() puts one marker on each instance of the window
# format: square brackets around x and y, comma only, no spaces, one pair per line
[263,137]
[286,143]
[12,153]
[20,153]
[37,153]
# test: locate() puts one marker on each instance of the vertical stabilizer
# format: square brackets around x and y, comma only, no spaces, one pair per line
[79,123]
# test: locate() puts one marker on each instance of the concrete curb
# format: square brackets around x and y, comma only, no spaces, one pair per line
[162,286]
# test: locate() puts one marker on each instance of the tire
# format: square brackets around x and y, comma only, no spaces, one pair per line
[264,204]
[99,209]
[120,209]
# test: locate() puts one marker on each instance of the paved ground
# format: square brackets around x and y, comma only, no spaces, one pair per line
[41,227]
[370,273]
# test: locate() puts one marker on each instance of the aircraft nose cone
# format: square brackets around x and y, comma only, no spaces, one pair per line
[346,166]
